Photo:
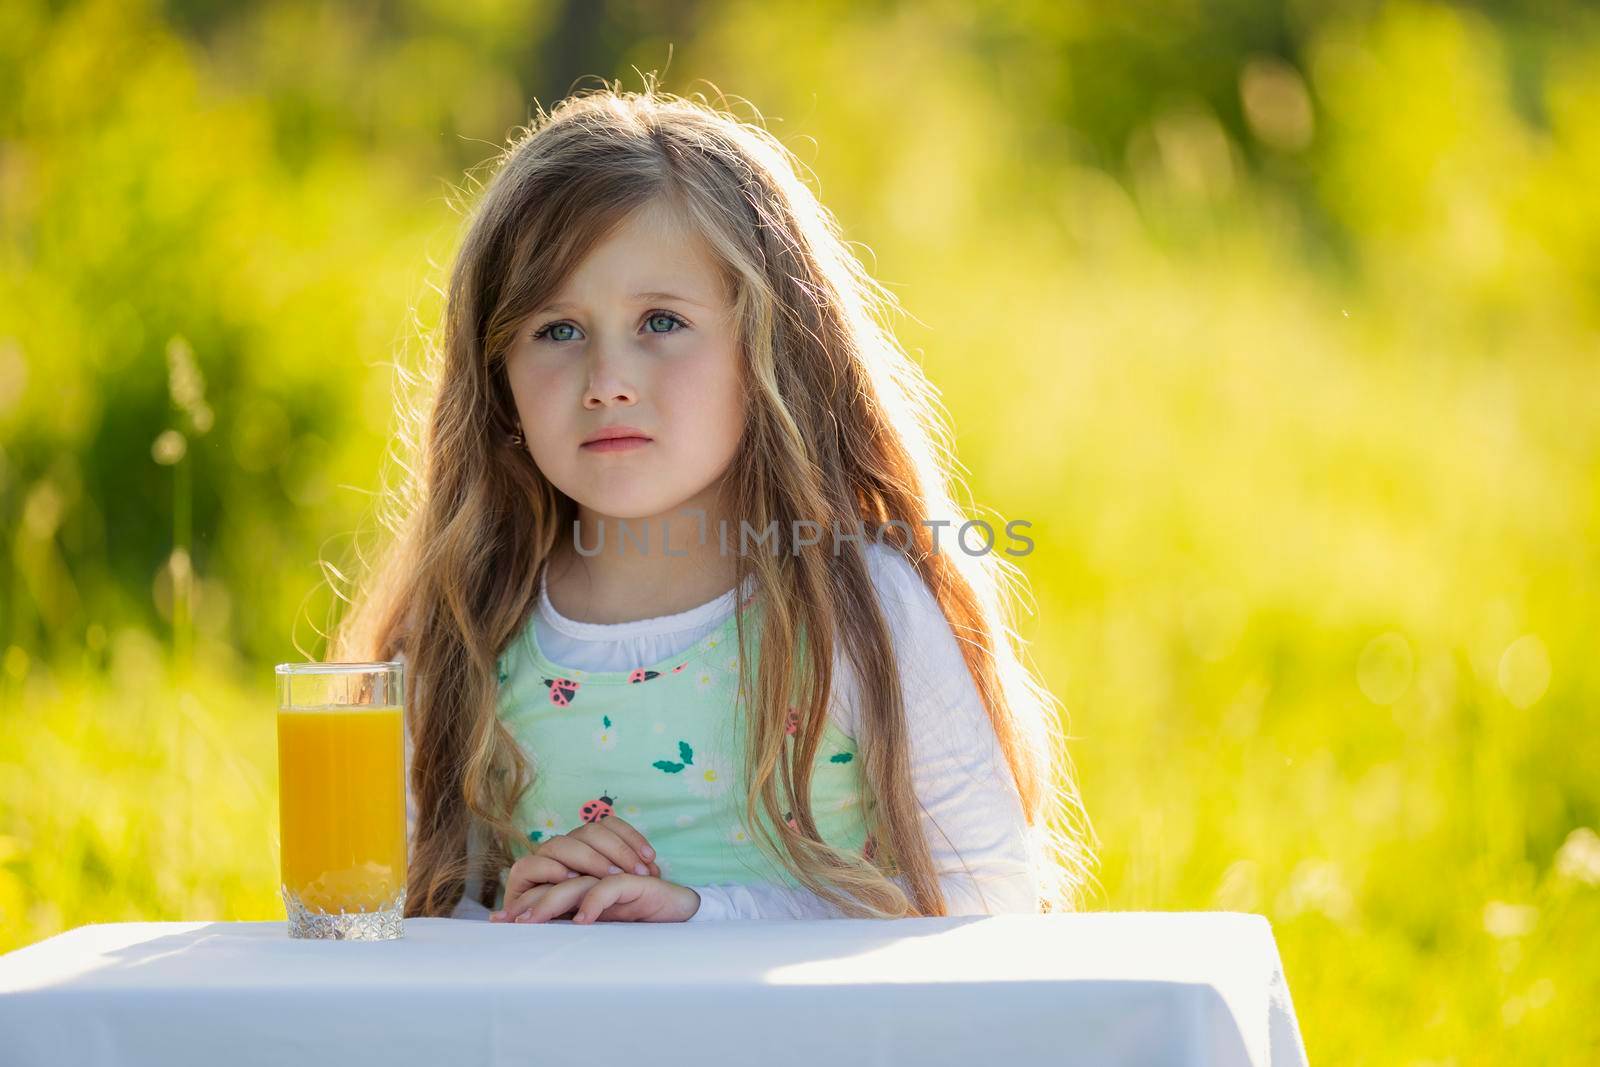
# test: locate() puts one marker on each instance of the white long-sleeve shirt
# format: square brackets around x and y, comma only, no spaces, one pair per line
[972,815]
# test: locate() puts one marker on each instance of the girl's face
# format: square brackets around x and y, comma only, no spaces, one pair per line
[641,336]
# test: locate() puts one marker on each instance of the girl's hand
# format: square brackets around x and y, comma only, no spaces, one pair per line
[610,846]
[614,898]
[600,850]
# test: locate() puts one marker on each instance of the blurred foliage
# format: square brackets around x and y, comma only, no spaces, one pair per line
[1296,308]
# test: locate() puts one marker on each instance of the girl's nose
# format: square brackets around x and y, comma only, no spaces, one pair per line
[610,373]
[609,382]
[600,397]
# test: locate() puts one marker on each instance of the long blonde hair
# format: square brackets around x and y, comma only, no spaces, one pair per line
[842,429]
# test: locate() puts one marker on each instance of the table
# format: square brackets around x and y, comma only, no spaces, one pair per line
[1089,988]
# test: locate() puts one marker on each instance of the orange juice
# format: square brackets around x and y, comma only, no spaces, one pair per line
[342,803]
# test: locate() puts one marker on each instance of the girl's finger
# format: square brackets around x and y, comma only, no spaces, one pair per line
[630,834]
[519,906]
[577,854]
[557,900]
[610,841]
[537,869]
[516,906]
[608,891]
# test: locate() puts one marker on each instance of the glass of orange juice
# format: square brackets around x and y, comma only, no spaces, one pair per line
[341,799]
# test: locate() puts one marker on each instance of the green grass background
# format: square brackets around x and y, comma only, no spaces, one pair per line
[1279,322]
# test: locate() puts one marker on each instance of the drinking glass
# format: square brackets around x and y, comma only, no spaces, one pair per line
[341,799]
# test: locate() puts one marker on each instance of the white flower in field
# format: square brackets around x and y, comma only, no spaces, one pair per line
[1578,858]
[1509,920]
[1317,884]
[709,775]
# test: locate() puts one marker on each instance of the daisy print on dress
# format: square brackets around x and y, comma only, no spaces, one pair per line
[605,738]
[711,777]
[545,824]
[708,778]
[562,690]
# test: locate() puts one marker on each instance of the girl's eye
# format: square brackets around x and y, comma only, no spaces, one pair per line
[664,316]
[544,331]
[654,318]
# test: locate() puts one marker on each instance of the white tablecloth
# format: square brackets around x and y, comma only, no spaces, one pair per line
[1097,988]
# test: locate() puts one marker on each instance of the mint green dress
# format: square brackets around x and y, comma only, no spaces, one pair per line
[661,746]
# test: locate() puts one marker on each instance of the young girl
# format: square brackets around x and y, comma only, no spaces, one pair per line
[687,628]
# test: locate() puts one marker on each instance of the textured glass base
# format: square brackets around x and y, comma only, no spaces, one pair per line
[380,924]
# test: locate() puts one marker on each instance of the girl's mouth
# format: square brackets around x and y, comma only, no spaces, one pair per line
[616,444]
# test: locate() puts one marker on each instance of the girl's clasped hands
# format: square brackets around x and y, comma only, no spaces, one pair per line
[588,871]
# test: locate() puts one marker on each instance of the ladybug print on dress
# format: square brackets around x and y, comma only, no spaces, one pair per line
[788,817]
[642,675]
[595,810]
[792,724]
[562,691]
[679,667]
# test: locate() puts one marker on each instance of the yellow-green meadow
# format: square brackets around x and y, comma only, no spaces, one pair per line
[1283,334]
